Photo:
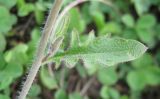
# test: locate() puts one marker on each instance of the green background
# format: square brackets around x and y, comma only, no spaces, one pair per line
[20,29]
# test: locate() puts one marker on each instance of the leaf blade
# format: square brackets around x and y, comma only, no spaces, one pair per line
[105,51]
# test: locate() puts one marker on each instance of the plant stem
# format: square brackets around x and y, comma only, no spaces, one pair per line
[50,24]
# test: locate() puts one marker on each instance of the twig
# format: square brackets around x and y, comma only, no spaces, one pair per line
[87,85]
[50,24]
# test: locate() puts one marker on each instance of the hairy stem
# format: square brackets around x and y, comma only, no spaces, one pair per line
[50,24]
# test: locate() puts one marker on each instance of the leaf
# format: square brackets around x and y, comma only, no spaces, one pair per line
[8,3]
[10,72]
[109,93]
[136,80]
[63,26]
[26,9]
[20,52]
[2,61]
[99,19]
[34,91]
[147,37]
[142,63]
[6,20]
[75,96]
[76,20]
[130,34]
[107,76]
[146,22]
[4,96]
[47,80]
[13,70]
[104,51]
[140,78]
[128,20]
[5,82]
[111,27]
[142,6]
[2,43]
[75,40]
[61,94]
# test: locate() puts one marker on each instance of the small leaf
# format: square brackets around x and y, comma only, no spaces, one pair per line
[63,26]
[10,72]
[147,37]
[8,3]
[75,96]
[104,51]
[111,27]
[99,19]
[2,43]
[128,20]
[48,80]
[146,21]
[142,63]
[61,94]
[136,80]
[109,93]
[25,9]
[77,22]
[90,38]
[107,76]
[142,6]
[4,96]
[75,40]
[6,20]
[20,52]
[2,61]
[34,91]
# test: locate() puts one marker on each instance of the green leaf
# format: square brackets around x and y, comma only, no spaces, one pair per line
[20,52]
[140,78]
[63,26]
[2,43]
[130,34]
[13,70]
[146,36]
[107,76]
[2,61]
[81,70]
[142,63]
[76,20]
[8,3]
[111,27]
[10,72]
[5,82]
[99,19]
[109,93]
[104,51]
[48,80]
[61,94]
[39,15]
[6,20]
[146,22]
[152,75]
[136,80]
[74,40]
[75,96]
[128,20]
[26,9]
[34,91]
[4,96]
[142,6]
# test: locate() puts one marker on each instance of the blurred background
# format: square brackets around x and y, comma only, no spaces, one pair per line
[20,29]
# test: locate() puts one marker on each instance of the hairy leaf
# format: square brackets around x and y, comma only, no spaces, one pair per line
[104,51]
